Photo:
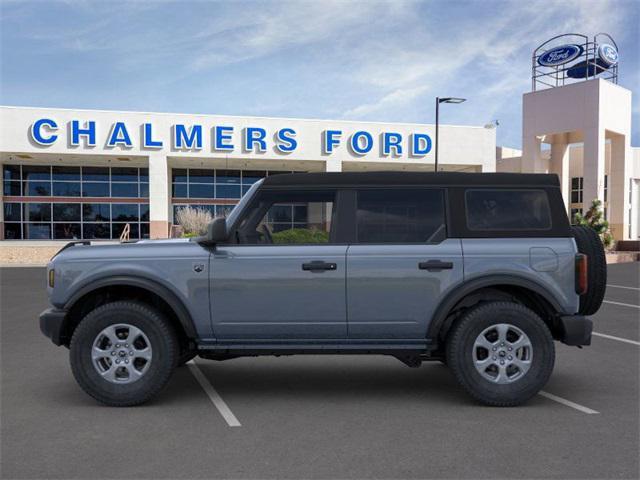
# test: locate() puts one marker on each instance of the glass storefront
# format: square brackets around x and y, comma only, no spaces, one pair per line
[48,202]
[214,190]
[76,203]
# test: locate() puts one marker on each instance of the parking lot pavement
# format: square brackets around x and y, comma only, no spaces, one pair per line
[318,416]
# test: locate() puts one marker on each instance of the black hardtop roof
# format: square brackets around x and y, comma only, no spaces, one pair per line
[412,178]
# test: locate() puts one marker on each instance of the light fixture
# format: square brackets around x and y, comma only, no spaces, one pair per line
[440,100]
[451,100]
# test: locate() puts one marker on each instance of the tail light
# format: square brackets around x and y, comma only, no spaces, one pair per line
[581,274]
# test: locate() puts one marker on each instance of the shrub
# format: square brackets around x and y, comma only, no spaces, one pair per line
[301,235]
[194,221]
[594,219]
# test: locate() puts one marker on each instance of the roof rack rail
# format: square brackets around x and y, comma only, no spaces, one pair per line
[71,244]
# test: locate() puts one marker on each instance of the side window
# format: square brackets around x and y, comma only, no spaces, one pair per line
[289,218]
[400,216]
[496,209]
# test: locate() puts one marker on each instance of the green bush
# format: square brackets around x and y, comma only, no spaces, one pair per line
[594,219]
[301,235]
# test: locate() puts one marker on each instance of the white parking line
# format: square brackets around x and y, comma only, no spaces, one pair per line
[622,286]
[611,337]
[567,403]
[214,396]
[622,304]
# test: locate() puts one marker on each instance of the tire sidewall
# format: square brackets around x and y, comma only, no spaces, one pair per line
[588,242]
[460,354]
[163,352]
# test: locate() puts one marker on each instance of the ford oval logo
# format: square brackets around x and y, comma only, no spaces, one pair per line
[608,54]
[560,55]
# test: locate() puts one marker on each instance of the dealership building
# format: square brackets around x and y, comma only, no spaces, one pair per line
[90,174]
[87,174]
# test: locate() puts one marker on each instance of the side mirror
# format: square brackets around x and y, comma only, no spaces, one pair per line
[217,231]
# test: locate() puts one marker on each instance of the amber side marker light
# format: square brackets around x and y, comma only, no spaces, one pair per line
[52,277]
[581,274]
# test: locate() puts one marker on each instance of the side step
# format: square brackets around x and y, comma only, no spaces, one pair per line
[410,353]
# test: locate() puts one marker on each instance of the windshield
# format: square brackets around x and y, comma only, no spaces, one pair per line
[233,216]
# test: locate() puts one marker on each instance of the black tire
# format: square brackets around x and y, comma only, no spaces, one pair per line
[460,351]
[164,348]
[589,243]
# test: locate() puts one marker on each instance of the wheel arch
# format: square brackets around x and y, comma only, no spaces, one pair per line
[104,290]
[491,288]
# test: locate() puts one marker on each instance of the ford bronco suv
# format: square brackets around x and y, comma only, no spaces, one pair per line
[479,271]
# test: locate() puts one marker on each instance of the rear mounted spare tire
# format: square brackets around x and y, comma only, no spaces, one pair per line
[589,243]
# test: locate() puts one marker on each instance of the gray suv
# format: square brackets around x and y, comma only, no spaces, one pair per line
[479,271]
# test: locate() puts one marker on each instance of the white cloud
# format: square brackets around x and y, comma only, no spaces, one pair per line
[491,55]
[362,60]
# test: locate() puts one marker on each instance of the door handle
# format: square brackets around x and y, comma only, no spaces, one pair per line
[318,266]
[435,265]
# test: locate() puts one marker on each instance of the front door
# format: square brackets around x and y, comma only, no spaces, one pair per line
[285,278]
[401,263]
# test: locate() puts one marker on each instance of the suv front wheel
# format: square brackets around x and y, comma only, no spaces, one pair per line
[502,353]
[123,353]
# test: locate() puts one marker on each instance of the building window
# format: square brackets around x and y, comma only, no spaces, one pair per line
[574,211]
[63,212]
[606,188]
[203,188]
[576,189]
[62,181]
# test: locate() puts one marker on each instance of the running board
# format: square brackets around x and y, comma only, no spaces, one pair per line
[315,348]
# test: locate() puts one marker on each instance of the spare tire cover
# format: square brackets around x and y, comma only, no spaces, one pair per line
[589,243]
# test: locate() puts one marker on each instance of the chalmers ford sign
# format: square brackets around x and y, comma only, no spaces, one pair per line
[45,132]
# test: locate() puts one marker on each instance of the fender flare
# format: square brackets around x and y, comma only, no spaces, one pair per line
[177,305]
[460,291]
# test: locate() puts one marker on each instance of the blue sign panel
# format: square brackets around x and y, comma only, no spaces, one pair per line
[560,55]
[608,54]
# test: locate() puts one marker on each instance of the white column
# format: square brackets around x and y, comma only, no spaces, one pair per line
[559,164]
[333,165]
[531,155]
[593,165]
[159,197]
[618,188]
[1,209]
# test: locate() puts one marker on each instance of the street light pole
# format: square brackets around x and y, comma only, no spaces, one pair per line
[437,129]
[438,102]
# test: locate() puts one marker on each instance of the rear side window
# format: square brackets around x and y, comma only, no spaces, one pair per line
[503,209]
[400,216]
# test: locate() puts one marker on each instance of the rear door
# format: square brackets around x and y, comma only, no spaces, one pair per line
[401,262]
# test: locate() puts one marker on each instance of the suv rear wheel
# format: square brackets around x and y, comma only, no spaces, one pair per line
[123,353]
[502,353]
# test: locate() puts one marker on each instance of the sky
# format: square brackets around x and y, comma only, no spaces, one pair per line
[351,60]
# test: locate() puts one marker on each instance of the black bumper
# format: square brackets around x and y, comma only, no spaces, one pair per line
[575,330]
[52,324]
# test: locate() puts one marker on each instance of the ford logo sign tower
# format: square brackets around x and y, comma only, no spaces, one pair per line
[608,54]
[572,57]
[560,55]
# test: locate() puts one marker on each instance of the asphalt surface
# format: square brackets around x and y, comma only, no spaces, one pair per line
[319,416]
